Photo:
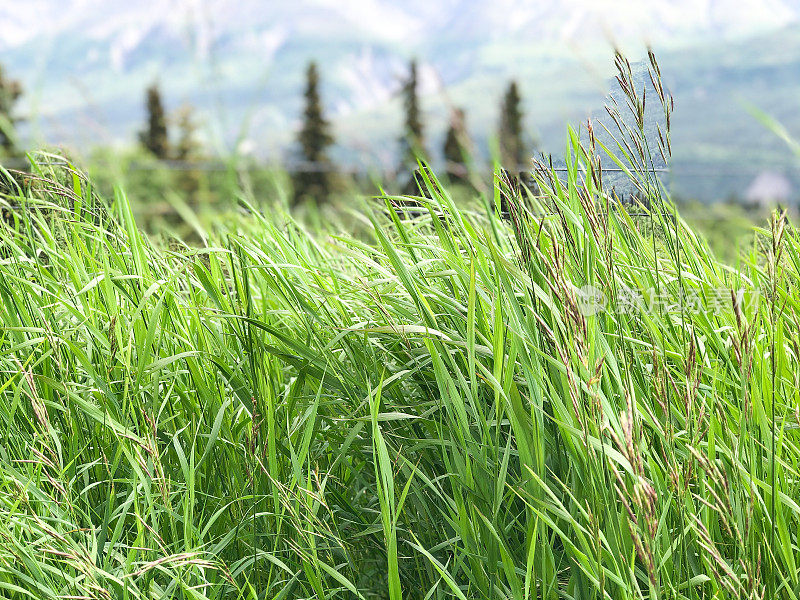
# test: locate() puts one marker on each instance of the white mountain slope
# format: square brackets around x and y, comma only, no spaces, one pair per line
[416,21]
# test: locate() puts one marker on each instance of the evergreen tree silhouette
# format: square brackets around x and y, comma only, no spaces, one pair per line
[313,179]
[457,147]
[512,148]
[187,150]
[10,92]
[413,140]
[154,136]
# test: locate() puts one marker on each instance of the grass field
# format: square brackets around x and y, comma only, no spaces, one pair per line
[431,410]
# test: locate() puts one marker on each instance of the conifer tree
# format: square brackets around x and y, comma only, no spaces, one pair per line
[187,147]
[10,92]
[457,147]
[313,180]
[512,148]
[413,140]
[154,136]
[187,150]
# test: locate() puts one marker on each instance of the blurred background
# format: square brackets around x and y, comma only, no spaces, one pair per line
[177,97]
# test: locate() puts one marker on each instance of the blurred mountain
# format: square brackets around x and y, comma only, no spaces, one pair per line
[123,25]
[85,64]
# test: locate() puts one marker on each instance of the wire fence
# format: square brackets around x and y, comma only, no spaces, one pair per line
[290,166]
[294,167]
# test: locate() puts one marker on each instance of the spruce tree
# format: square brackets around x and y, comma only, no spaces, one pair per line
[457,147]
[187,147]
[10,91]
[413,140]
[187,150]
[154,136]
[313,179]
[512,148]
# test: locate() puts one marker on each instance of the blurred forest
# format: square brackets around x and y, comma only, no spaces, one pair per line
[175,182]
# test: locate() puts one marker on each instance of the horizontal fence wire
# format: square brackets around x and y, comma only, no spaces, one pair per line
[20,164]
[293,166]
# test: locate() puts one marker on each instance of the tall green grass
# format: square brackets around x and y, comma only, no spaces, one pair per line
[429,413]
